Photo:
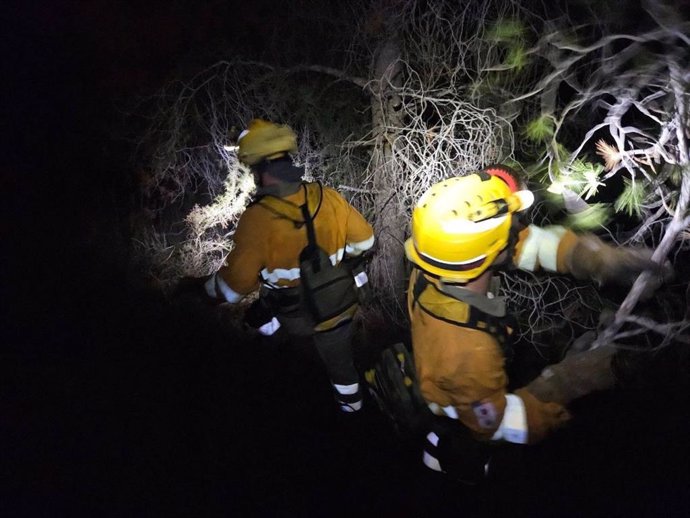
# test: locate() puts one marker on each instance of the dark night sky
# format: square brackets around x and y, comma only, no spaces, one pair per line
[72,69]
[111,406]
[70,61]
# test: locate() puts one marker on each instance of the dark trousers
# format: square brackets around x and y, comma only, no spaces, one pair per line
[335,349]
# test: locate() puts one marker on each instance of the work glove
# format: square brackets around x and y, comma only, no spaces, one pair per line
[593,259]
[575,376]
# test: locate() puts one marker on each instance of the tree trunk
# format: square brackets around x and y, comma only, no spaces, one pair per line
[387,268]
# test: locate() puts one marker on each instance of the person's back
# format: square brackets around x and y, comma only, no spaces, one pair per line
[273,236]
[269,240]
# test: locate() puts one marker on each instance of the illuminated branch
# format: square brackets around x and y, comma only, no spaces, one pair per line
[426,103]
[191,168]
[636,87]
[672,330]
[626,88]
[673,230]
[431,114]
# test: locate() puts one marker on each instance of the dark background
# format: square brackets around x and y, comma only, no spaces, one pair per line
[115,402]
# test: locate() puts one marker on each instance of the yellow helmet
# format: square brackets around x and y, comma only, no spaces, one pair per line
[460,225]
[264,140]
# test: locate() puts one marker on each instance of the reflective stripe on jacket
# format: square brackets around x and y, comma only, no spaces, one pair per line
[463,367]
[267,245]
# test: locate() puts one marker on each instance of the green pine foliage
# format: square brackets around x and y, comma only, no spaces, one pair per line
[630,200]
[507,36]
[676,175]
[593,218]
[506,30]
[540,129]
[585,176]
[516,59]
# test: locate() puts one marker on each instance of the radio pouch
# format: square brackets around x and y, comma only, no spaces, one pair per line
[328,290]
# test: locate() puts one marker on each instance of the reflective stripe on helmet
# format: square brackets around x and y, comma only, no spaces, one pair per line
[454,267]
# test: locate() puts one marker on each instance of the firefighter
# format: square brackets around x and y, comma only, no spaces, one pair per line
[269,238]
[462,230]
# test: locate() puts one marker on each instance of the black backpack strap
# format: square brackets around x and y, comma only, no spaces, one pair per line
[271,204]
[311,233]
[477,319]
[311,236]
[289,210]
[308,221]
[419,286]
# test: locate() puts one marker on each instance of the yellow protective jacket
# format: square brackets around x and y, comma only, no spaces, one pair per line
[461,370]
[268,243]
